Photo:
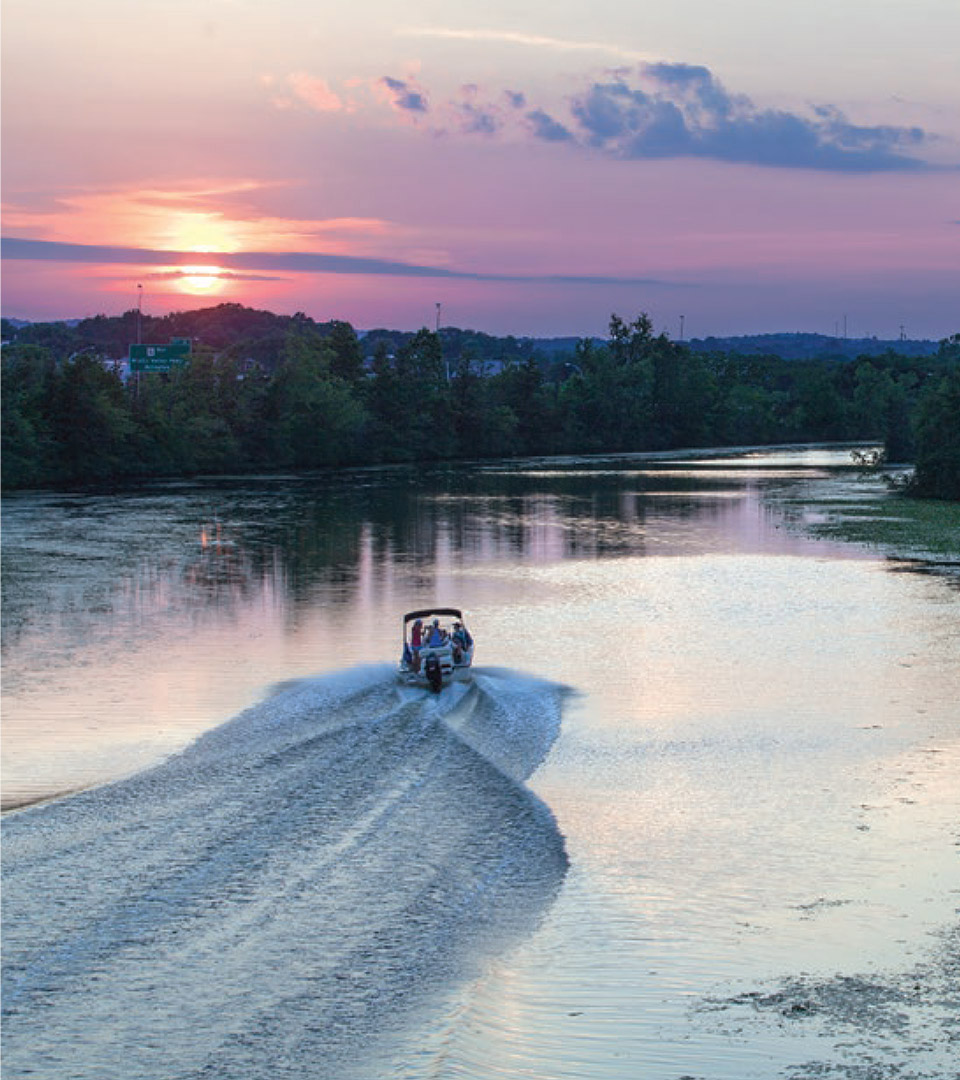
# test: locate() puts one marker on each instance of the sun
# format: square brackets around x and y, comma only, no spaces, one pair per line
[201,279]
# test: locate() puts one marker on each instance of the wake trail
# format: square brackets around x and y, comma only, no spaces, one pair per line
[301,878]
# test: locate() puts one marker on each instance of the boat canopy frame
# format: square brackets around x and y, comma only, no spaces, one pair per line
[425,613]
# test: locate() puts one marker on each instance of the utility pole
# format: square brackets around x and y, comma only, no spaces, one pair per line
[139,334]
[438,317]
[682,317]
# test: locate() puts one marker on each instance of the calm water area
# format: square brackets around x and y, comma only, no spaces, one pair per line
[703,753]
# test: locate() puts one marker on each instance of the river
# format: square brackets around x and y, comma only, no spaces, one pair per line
[694,817]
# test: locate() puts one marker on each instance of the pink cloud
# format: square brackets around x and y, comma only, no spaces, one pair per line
[315,92]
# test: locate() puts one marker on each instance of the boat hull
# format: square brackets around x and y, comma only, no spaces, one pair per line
[449,670]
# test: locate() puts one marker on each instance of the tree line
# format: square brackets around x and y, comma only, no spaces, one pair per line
[264,392]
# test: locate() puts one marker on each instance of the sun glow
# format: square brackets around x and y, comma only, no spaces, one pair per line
[201,279]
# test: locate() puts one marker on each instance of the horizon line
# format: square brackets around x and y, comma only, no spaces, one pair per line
[520,337]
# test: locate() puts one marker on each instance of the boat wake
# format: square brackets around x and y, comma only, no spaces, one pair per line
[312,873]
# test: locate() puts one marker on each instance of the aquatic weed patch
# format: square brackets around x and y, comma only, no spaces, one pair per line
[911,526]
[885,1026]
[871,515]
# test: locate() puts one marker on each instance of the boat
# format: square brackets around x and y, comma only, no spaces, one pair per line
[445,652]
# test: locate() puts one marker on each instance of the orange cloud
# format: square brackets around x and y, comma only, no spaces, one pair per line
[201,217]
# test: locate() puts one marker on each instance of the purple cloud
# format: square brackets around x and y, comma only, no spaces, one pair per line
[475,120]
[545,127]
[662,110]
[682,110]
[405,96]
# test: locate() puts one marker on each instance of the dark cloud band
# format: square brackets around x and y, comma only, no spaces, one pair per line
[288,262]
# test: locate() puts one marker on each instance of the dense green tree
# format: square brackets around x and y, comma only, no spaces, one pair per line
[27,449]
[684,396]
[522,389]
[468,405]
[202,397]
[389,437]
[880,408]
[747,416]
[315,418]
[428,421]
[346,356]
[607,401]
[59,338]
[90,420]
[949,350]
[819,412]
[266,391]
[629,343]
[938,439]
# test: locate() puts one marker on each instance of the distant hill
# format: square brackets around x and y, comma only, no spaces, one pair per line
[257,334]
[260,335]
[811,346]
[788,346]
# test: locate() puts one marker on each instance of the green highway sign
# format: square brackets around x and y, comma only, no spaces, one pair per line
[159,357]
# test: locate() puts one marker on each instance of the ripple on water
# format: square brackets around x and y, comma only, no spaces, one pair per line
[290,886]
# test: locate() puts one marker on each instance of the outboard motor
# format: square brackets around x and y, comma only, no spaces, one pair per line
[433,672]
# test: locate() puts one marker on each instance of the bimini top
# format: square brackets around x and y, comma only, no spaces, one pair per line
[455,613]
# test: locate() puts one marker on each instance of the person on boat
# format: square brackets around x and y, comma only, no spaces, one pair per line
[416,635]
[437,636]
[461,637]
[458,641]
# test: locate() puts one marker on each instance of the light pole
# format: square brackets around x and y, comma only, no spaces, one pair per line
[139,311]
[682,317]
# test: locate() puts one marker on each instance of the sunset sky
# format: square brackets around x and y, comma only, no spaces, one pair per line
[750,166]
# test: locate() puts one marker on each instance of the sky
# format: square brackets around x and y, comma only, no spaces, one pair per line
[743,167]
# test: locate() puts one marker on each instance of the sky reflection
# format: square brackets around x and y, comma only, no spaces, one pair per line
[138,618]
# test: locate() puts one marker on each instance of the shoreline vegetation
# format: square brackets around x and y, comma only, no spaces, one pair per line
[266,392]
[923,532]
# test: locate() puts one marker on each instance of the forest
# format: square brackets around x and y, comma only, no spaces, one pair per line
[265,392]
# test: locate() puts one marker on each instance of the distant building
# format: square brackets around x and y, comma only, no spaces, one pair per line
[120,366]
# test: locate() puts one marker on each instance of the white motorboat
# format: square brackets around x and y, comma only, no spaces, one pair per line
[437,647]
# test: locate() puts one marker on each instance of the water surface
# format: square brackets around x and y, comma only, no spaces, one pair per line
[753,772]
